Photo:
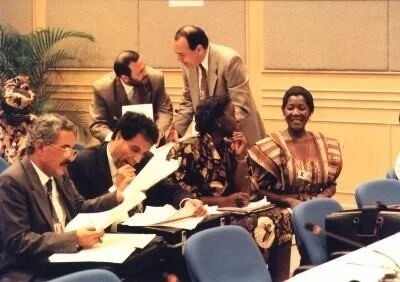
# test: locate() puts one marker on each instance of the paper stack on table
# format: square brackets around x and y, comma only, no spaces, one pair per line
[115,248]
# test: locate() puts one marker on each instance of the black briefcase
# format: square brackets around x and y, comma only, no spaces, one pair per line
[364,226]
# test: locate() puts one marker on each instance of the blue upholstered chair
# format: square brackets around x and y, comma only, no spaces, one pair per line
[312,247]
[226,253]
[391,174]
[3,164]
[386,191]
[92,275]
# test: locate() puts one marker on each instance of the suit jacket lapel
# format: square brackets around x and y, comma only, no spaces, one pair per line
[38,191]
[212,75]
[120,97]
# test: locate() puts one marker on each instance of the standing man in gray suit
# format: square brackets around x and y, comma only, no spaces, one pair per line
[211,69]
[132,82]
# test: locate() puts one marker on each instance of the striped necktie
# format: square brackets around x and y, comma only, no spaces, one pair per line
[49,188]
[203,83]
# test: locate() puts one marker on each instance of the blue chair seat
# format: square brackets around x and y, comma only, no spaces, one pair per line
[91,275]
[3,164]
[225,253]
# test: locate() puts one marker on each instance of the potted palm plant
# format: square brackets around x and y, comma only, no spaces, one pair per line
[36,55]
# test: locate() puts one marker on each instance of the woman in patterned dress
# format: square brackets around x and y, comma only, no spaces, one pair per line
[295,165]
[214,168]
[15,117]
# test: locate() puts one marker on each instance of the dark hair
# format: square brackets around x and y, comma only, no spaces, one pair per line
[121,64]
[208,111]
[299,91]
[194,36]
[130,124]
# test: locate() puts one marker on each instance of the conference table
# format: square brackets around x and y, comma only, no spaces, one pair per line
[362,265]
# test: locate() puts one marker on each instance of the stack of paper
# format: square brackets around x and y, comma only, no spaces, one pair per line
[115,248]
[251,207]
[166,216]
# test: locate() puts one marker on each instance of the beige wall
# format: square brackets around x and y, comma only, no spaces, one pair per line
[345,52]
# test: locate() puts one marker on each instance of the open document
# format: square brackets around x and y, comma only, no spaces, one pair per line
[101,220]
[115,248]
[262,204]
[166,216]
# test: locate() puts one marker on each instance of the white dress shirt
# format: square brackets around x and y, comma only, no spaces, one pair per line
[56,201]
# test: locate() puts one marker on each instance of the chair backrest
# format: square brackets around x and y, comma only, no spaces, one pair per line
[91,275]
[313,246]
[391,174]
[226,253]
[3,164]
[79,146]
[386,191]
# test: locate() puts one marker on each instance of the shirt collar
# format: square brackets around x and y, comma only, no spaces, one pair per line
[128,88]
[113,168]
[42,176]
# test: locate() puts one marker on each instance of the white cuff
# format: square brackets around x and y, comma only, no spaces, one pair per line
[112,188]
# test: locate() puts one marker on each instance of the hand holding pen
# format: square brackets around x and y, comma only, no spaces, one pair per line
[88,237]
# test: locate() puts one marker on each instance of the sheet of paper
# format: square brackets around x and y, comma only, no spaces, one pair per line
[212,210]
[156,215]
[188,223]
[146,109]
[162,152]
[98,220]
[115,248]
[154,171]
[252,206]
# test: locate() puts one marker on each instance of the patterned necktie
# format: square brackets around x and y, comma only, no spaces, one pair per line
[49,188]
[203,83]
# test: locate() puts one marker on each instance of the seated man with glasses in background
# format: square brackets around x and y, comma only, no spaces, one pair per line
[37,200]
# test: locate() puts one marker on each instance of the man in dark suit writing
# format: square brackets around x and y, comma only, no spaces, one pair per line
[37,199]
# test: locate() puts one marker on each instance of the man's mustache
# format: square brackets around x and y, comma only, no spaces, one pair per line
[65,162]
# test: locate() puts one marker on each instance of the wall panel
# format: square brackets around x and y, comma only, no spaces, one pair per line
[326,35]
[114,25]
[17,13]
[223,21]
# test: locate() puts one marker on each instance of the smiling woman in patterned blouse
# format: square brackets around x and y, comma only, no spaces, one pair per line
[296,165]
[214,168]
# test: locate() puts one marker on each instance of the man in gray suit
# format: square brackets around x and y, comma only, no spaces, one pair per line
[37,199]
[132,82]
[211,69]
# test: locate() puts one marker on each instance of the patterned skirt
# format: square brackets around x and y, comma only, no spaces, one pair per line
[268,227]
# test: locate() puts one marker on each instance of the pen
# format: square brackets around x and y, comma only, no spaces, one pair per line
[94,229]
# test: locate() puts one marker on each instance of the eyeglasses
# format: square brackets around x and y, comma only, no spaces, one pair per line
[69,153]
